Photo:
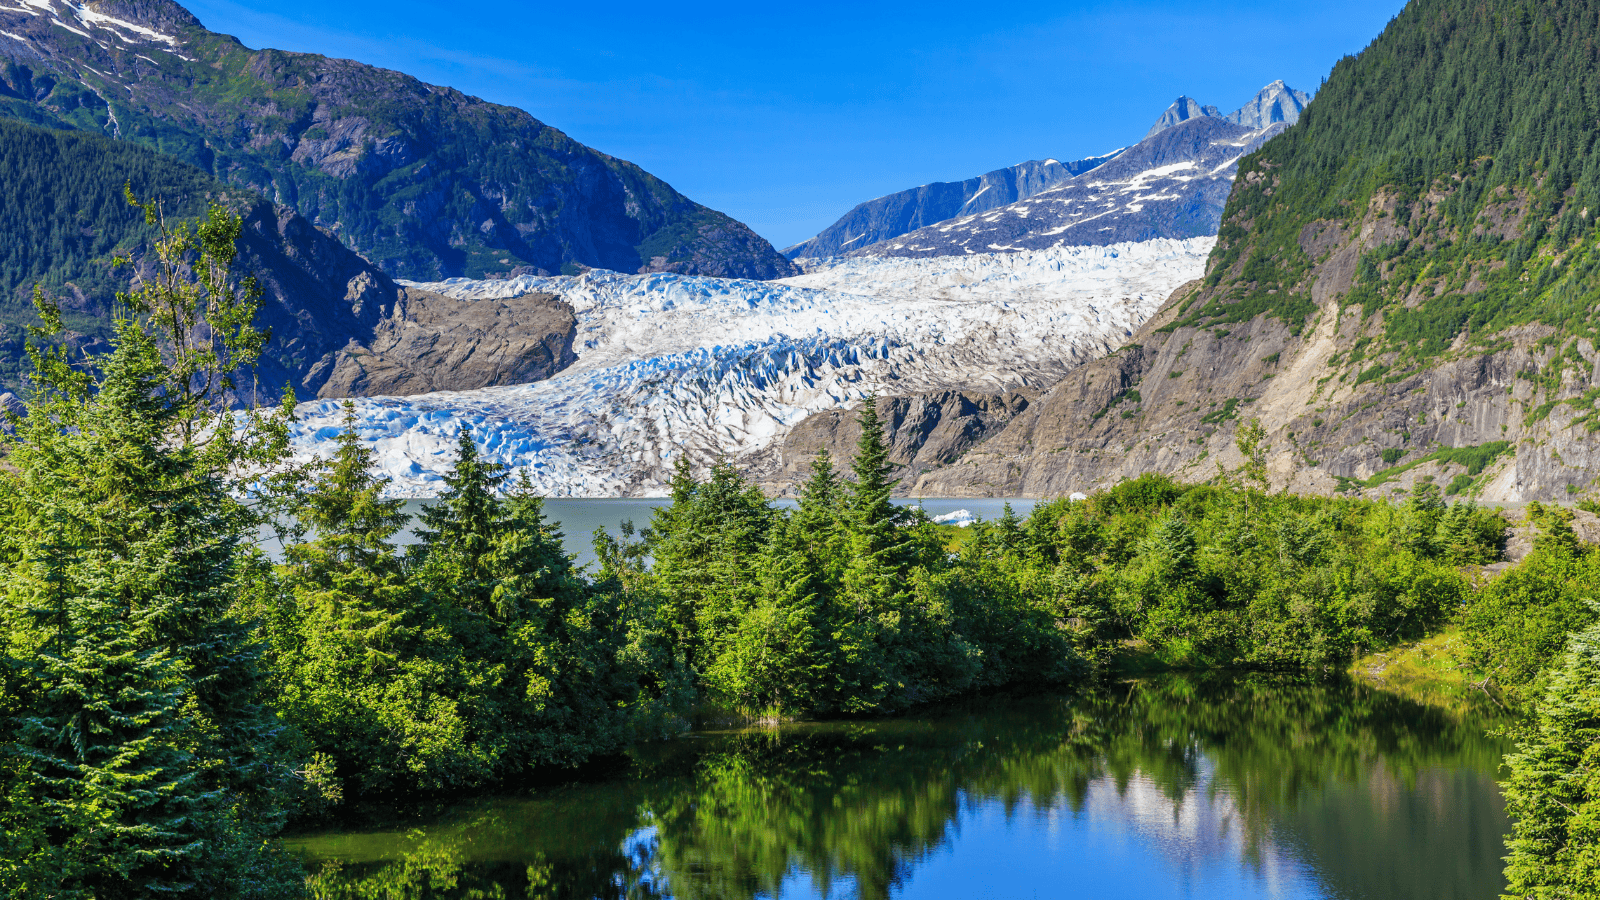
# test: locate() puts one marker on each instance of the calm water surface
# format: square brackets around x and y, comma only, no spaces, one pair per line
[579,518]
[1225,788]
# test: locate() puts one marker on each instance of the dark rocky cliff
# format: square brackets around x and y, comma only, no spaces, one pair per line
[924,431]
[425,181]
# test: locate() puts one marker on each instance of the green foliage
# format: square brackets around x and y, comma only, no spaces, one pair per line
[1475,459]
[71,253]
[1517,625]
[1553,791]
[1217,417]
[849,605]
[479,657]
[1474,124]
[1227,575]
[139,758]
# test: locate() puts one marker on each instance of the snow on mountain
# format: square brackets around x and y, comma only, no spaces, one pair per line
[1171,185]
[708,367]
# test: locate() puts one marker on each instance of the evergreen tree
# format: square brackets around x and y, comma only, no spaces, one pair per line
[139,732]
[1553,792]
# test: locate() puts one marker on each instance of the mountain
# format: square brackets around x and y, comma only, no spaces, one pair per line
[1170,185]
[893,215]
[1182,110]
[63,217]
[425,181]
[1405,289]
[1277,102]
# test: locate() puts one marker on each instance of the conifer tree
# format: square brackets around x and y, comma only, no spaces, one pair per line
[354,625]
[139,730]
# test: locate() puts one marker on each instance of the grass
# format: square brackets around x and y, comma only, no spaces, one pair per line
[1429,671]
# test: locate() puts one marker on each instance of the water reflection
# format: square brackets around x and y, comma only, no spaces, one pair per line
[1173,787]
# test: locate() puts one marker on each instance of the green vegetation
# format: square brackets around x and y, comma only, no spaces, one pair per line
[1475,459]
[138,758]
[1466,130]
[72,255]
[1217,417]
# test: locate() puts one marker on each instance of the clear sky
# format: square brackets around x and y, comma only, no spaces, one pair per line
[786,115]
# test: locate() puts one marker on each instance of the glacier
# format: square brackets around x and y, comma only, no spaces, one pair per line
[712,368]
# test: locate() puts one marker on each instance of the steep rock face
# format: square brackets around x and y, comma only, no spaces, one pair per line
[431,342]
[1171,185]
[1277,102]
[1182,110]
[1402,291]
[923,431]
[424,180]
[904,211]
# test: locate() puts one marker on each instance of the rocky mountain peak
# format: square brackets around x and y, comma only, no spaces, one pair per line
[158,15]
[1277,102]
[1181,110]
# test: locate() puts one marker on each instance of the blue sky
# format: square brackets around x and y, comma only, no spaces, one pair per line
[786,115]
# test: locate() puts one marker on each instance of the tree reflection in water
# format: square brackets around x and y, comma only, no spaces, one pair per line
[1285,787]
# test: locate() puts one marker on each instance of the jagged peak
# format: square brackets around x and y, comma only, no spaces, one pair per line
[1277,102]
[157,15]
[1182,109]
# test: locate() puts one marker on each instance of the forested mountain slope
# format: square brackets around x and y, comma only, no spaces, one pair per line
[425,181]
[333,315]
[1405,287]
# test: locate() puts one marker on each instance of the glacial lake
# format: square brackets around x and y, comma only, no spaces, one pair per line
[580,518]
[1204,788]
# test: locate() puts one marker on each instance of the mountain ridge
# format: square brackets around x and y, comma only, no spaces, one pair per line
[1171,185]
[422,179]
[895,214]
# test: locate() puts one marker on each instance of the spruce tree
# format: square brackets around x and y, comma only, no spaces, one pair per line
[139,731]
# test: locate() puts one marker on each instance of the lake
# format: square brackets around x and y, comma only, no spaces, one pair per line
[1206,788]
[579,518]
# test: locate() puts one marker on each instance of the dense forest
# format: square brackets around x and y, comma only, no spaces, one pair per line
[1474,127]
[171,698]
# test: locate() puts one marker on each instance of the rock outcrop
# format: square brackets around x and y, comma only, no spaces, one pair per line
[923,431]
[1182,110]
[1492,424]
[431,342]
[1277,102]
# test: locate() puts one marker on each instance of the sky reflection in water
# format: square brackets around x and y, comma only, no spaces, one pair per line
[1172,787]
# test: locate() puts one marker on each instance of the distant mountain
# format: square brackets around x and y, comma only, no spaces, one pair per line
[905,211]
[425,181]
[1131,194]
[1182,110]
[1275,103]
[1173,184]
